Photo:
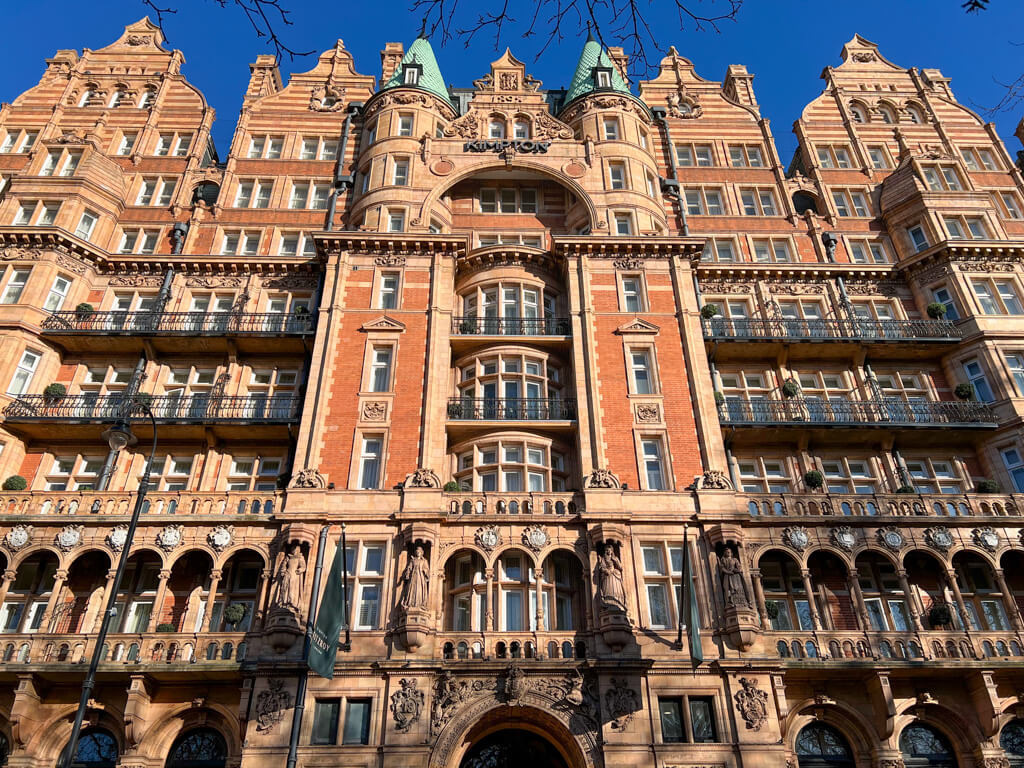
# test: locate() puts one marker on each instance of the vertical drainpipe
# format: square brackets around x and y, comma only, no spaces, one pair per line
[165,289]
[341,179]
[178,234]
[670,186]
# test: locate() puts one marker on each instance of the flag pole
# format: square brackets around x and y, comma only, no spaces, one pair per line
[300,689]
[347,645]
[682,590]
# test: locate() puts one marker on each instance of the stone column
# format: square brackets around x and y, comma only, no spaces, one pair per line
[215,575]
[912,606]
[261,600]
[959,598]
[9,576]
[58,587]
[755,580]
[853,584]
[1012,610]
[540,600]
[489,618]
[158,602]
[812,603]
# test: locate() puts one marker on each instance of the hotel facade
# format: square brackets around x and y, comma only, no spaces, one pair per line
[541,352]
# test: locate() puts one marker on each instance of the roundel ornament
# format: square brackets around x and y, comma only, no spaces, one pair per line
[890,538]
[536,538]
[844,537]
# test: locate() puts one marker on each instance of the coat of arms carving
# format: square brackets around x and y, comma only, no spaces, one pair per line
[406,704]
[752,704]
[271,705]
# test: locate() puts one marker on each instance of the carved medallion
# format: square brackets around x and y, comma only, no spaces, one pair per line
[422,478]
[117,537]
[170,537]
[621,702]
[938,537]
[535,537]
[406,704]
[19,536]
[308,478]
[752,704]
[487,538]
[891,538]
[715,480]
[648,413]
[271,705]
[843,537]
[796,536]
[602,478]
[220,538]
[514,685]
[69,537]
[986,538]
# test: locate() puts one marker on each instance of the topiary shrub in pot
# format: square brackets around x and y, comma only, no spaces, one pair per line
[936,310]
[54,393]
[165,627]
[234,613]
[964,391]
[987,486]
[719,397]
[467,327]
[15,483]
[814,479]
[84,310]
[451,487]
[771,610]
[940,616]
[905,489]
[790,388]
[708,311]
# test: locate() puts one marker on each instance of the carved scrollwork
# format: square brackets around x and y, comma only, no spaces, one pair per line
[602,478]
[308,478]
[406,704]
[422,478]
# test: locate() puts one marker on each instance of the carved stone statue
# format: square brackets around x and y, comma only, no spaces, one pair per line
[417,580]
[289,581]
[734,587]
[609,571]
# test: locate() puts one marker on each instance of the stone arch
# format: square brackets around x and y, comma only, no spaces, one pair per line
[447,557]
[895,560]
[51,739]
[858,730]
[493,165]
[157,740]
[43,549]
[577,745]
[846,558]
[219,561]
[534,558]
[961,732]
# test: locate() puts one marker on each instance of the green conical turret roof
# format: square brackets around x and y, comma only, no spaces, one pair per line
[593,55]
[421,53]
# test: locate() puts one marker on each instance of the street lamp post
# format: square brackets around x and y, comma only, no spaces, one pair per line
[118,437]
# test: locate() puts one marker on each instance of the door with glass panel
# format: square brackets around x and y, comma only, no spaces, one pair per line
[489,305]
[531,312]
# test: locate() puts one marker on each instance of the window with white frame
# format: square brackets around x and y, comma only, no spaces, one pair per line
[74,473]
[308,194]
[846,475]
[623,223]
[1008,205]
[240,242]
[58,293]
[512,465]
[494,238]
[253,474]
[265,147]
[834,157]
[662,572]
[695,155]
[60,162]
[396,220]
[400,172]
[1014,464]
[507,200]
[997,297]
[704,202]
[934,475]
[156,191]
[126,144]
[371,133]
[632,293]
[965,227]
[146,98]
[17,141]
[761,475]
[496,129]
[380,368]
[296,244]
[387,291]
[758,202]
[979,159]
[170,473]
[24,372]
[653,464]
[851,202]
[617,175]
[942,178]
[612,130]
[879,157]
[771,249]
[867,252]
[365,561]
[641,371]
[139,241]
[1015,362]
[371,462]
[521,130]
[746,156]
[978,380]
[687,719]
[918,238]
[318,148]
[720,249]
[405,124]
[15,286]
[37,212]
[253,193]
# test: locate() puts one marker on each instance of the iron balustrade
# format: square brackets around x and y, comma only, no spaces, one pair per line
[197,408]
[185,323]
[511,326]
[511,409]
[890,411]
[863,329]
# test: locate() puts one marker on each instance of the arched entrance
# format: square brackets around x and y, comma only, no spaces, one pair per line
[511,748]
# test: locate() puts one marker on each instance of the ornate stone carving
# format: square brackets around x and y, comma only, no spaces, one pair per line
[715,480]
[71,264]
[117,538]
[508,81]
[291,282]
[987,538]
[271,705]
[611,592]
[288,581]
[422,478]
[325,98]
[843,537]
[308,478]
[863,57]
[450,694]
[375,410]
[18,537]
[995,762]
[648,413]
[137,40]
[891,538]
[135,281]
[683,106]
[535,537]
[389,260]
[487,537]
[17,253]
[874,287]
[170,537]
[545,127]
[69,537]
[796,536]
[938,537]
[723,286]
[752,704]
[406,704]
[622,702]
[514,685]
[629,262]
[734,586]
[416,581]
[602,478]
[465,127]
[214,281]
[221,537]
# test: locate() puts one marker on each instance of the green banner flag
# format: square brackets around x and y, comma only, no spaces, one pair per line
[329,620]
[693,616]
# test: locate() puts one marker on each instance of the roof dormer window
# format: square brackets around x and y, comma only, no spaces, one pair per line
[411,73]
[603,77]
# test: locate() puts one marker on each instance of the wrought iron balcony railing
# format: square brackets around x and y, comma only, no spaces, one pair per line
[883,504]
[183,323]
[511,409]
[840,412]
[196,408]
[758,329]
[511,326]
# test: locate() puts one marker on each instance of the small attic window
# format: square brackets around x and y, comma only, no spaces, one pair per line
[411,74]
[603,77]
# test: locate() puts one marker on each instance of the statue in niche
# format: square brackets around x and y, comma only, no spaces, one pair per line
[416,579]
[289,581]
[734,587]
[609,571]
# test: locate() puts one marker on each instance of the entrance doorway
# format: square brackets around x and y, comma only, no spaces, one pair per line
[513,748]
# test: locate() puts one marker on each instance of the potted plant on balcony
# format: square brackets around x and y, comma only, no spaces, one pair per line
[964,391]
[54,393]
[790,388]
[467,326]
[15,483]
[84,311]
[143,399]
[936,310]
[987,486]
[451,487]
[234,614]
[771,610]
[719,398]
[814,479]
[940,615]
[905,489]
[165,627]
[708,311]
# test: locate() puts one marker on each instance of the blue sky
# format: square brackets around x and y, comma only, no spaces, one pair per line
[784,43]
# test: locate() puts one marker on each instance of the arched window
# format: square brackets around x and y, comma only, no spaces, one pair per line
[521,130]
[87,96]
[201,748]
[97,748]
[859,116]
[147,97]
[1012,742]
[496,130]
[914,113]
[887,114]
[922,745]
[820,745]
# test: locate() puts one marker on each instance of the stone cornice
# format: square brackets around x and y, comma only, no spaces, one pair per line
[602,247]
[797,271]
[391,242]
[963,250]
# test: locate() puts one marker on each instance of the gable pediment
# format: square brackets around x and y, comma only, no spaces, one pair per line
[383,323]
[637,325]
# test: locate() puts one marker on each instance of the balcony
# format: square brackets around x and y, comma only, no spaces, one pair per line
[870,648]
[885,504]
[860,331]
[538,645]
[23,504]
[237,417]
[471,331]
[171,332]
[811,413]
[468,503]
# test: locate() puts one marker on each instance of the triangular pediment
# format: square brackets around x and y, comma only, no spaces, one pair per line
[383,323]
[638,325]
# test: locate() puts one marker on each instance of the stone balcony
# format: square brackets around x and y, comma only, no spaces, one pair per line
[21,504]
[529,504]
[884,504]
[490,646]
[889,412]
[874,647]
